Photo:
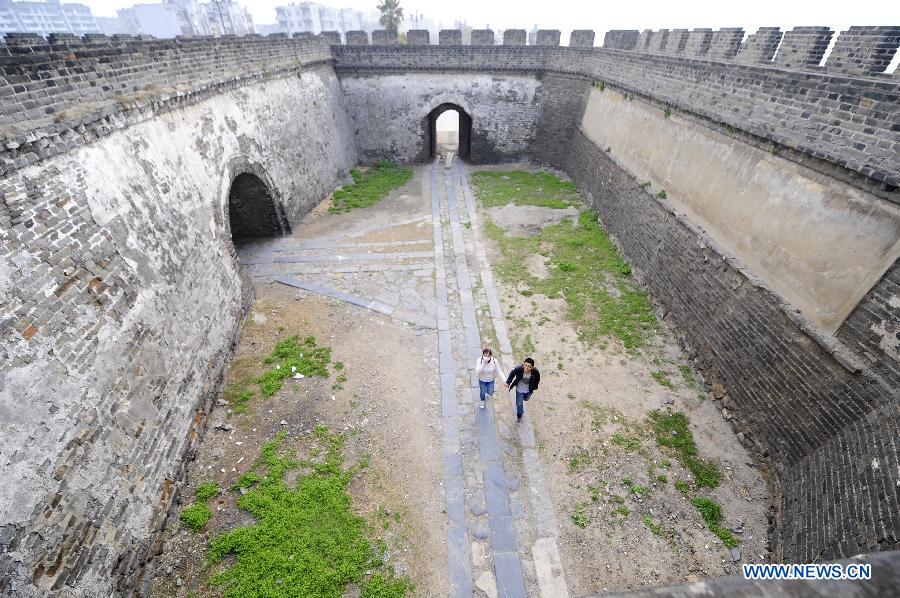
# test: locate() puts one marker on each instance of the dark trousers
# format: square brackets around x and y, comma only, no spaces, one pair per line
[521,397]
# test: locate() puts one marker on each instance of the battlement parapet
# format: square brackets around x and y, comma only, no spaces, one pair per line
[332,37]
[357,38]
[44,79]
[547,37]
[483,37]
[514,37]
[418,37]
[450,37]
[858,51]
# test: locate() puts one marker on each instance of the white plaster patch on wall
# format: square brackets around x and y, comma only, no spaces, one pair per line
[888,341]
[819,243]
[894,301]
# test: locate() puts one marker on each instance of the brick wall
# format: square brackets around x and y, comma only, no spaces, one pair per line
[389,113]
[120,298]
[844,122]
[826,422]
[41,79]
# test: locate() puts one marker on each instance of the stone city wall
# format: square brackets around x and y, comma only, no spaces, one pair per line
[109,280]
[802,400]
[390,113]
[121,297]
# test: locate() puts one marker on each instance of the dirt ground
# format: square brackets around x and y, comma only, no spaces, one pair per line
[587,395]
[389,407]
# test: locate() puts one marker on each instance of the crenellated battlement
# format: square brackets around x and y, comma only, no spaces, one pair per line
[770,85]
[859,51]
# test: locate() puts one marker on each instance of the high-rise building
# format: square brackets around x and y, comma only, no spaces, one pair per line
[192,17]
[311,17]
[225,17]
[51,16]
[158,20]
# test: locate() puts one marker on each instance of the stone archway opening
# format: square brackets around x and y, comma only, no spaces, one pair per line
[449,130]
[252,210]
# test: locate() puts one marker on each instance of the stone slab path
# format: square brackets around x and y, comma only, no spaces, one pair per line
[429,270]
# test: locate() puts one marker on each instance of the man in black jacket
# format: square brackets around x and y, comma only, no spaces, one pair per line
[525,378]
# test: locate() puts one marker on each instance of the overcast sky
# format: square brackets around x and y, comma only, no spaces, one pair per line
[618,14]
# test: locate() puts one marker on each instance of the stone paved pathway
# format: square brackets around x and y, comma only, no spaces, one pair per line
[501,529]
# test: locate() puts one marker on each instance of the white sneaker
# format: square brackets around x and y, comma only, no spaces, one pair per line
[482,404]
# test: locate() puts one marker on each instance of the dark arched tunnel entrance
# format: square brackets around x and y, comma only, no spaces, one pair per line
[252,211]
[434,139]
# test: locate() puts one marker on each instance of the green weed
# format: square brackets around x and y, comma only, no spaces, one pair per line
[580,516]
[306,541]
[711,512]
[602,299]
[662,377]
[579,461]
[661,194]
[644,185]
[371,187]
[239,397]
[195,516]
[626,441]
[497,188]
[688,376]
[291,357]
[207,491]
[672,431]
[658,529]
[682,486]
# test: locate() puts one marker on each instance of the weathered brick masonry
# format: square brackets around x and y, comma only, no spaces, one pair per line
[823,411]
[117,157]
[120,295]
[792,401]
[849,122]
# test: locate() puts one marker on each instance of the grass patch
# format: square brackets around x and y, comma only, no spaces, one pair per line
[603,301]
[662,377]
[578,461]
[659,529]
[207,491]
[688,376]
[195,516]
[306,541]
[580,516]
[293,357]
[497,188]
[238,396]
[682,486]
[671,429]
[627,441]
[711,512]
[339,382]
[370,187]
[622,510]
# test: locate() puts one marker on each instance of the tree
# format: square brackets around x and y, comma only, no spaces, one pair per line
[391,15]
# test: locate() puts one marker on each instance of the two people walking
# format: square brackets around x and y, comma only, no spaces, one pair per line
[524,378]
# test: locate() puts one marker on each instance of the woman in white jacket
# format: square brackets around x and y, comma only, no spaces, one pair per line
[487,370]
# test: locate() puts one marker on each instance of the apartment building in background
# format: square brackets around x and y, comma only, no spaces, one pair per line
[51,16]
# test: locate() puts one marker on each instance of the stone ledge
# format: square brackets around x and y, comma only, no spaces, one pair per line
[101,118]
